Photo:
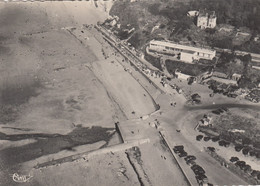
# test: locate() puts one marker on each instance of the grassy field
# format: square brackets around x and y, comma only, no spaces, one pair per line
[246,120]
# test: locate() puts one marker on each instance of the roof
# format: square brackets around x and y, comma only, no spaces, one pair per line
[183,47]
[206,13]
[237,75]
[188,51]
[220,74]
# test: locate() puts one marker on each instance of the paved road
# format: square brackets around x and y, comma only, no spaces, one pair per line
[174,118]
[216,173]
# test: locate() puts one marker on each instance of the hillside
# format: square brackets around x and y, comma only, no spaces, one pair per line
[168,20]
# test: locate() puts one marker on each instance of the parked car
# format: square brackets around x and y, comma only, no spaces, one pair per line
[212,149]
[252,153]
[223,143]
[220,110]
[198,170]
[234,159]
[199,137]
[247,168]
[202,179]
[215,112]
[215,138]
[190,162]
[240,164]
[190,157]
[182,154]
[258,176]
[245,150]
[224,108]
[254,173]
[207,138]
[178,148]
[238,148]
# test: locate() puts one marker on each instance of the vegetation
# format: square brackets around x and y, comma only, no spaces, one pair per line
[144,15]
[190,69]
[153,60]
[172,22]
[238,13]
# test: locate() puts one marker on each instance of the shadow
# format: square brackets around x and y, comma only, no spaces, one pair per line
[50,144]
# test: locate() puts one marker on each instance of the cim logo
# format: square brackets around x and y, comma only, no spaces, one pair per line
[21,178]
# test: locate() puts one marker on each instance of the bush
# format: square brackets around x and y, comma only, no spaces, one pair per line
[153,60]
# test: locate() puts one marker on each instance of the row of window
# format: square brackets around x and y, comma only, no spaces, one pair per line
[175,49]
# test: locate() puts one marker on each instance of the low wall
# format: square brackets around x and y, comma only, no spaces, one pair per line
[85,155]
[167,143]
[233,168]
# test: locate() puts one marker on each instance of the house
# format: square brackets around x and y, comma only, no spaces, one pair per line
[206,19]
[206,121]
[181,75]
[236,77]
[193,13]
[184,52]
[242,34]
[113,22]
[256,38]
[220,74]
[226,28]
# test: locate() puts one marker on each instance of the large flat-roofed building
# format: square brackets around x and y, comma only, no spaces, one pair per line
[183,52]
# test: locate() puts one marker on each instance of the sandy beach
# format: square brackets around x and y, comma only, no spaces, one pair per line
[55,89]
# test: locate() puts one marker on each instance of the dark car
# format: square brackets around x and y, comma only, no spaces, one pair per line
[245,150]
[178,148]
[202,179]
[240,164]
[182,154]
[234,159]
[198,170]
[220,110]
[190,157]
[215,138]
[212,149]
[225,93]
[238,148]
[247,168]
[206,138]
[194,167]
[224,108]
[223,143]
[190,162]
[254,173]
[215,112]
[226,144]
[199,137]
[232,95]
[252,153]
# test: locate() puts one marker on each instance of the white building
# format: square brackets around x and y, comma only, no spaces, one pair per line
[236,77]
[193,13]
[185,53]
[206,19]
[182,76]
